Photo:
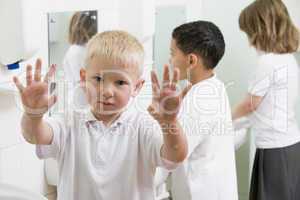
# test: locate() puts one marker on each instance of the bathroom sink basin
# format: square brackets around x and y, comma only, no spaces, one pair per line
[9,192]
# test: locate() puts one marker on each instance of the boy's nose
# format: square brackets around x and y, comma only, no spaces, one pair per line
[107,92]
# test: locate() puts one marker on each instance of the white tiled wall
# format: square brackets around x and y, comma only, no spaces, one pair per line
[20,167]
[18,163]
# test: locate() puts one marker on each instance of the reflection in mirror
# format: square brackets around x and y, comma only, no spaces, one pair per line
[68,33]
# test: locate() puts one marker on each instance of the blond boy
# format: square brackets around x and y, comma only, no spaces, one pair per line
[107,152]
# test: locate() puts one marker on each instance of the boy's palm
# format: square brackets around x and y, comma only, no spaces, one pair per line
[166,100]
[34,96]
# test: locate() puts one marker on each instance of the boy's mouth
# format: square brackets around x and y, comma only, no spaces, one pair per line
[106,103]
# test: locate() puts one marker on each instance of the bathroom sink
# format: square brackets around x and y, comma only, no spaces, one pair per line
[10,192]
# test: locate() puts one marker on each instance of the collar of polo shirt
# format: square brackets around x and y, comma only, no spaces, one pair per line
[120,120]
[91,118]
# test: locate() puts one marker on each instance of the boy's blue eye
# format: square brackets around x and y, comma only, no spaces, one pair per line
[121,82]
[98,78]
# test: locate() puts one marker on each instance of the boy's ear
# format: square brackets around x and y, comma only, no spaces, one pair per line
[193,60]
[137,87]
[82,77]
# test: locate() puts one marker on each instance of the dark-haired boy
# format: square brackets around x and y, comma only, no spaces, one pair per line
[209,172]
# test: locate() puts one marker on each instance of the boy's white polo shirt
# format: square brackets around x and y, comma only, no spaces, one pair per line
[101,163]
[209,172]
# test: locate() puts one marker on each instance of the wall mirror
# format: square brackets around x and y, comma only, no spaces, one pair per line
[68,33]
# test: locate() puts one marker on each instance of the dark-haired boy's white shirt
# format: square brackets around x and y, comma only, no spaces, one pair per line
[209,171]
[100,163]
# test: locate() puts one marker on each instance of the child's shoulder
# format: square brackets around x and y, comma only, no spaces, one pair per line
[206,101]
[273,60]
[211,86]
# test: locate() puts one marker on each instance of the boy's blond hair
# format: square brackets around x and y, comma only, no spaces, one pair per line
[118,46]
[269,27]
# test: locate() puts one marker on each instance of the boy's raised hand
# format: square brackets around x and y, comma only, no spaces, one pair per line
[166,100]
[34,96]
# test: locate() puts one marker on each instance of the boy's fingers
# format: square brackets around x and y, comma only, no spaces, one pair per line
[154,79]
[186,90]
[18,84]
[38,69]
[175,76]
[155,91]
[52,100]
[50,73]
[155,85]
[175,79]
[28,75]
[166,76]
[152,111]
